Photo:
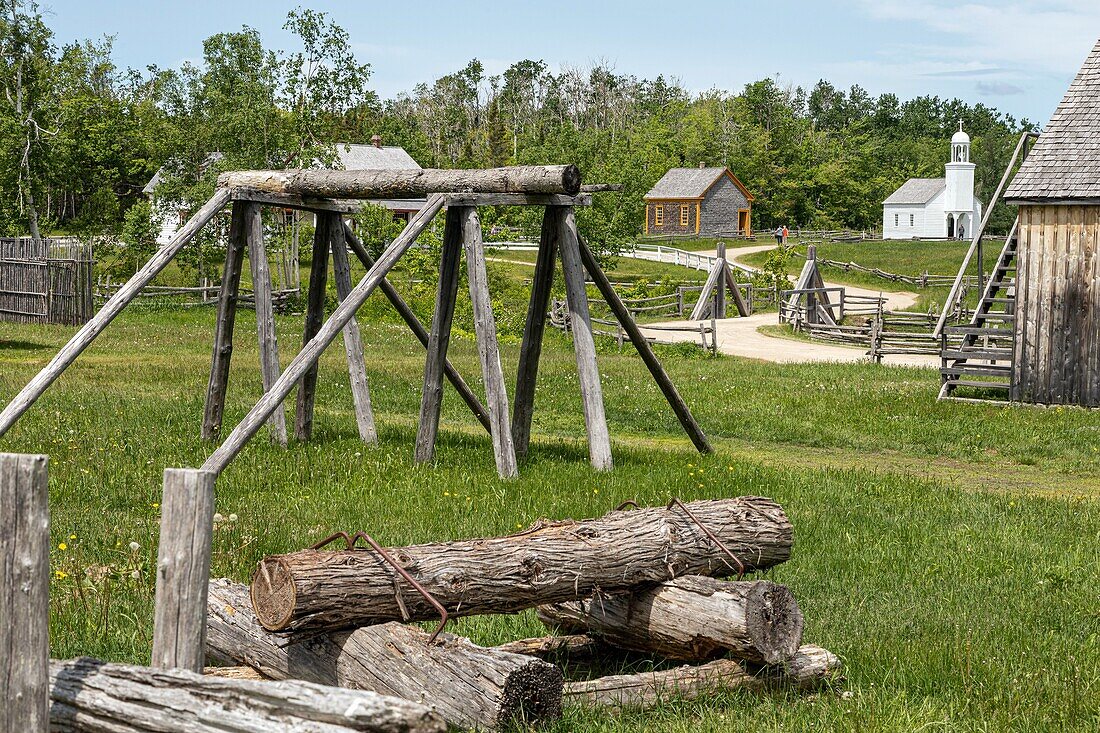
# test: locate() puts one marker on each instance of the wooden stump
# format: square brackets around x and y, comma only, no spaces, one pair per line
[24,592]
[89,696]
[470,686]
[692,618]
[333,589]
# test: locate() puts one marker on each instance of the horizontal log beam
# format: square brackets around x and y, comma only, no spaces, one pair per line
[468,685]
[408,183]
[352,206]
[551,562]
[89,696]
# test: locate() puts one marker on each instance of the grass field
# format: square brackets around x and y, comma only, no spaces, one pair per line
[949,553]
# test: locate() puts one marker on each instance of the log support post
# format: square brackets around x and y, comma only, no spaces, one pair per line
[183,569]
[531,348]
[315,316]
[418,330]
[599,441]
[265,313]
[485,328]
[223,329]
[431,399]
[720,288]
[675,401]
[353,341]
[24,593]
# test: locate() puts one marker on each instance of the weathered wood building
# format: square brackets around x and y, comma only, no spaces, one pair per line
[46,281]
[707,202]
[1057,307]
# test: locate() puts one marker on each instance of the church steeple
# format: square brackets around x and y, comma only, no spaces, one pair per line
[960,146]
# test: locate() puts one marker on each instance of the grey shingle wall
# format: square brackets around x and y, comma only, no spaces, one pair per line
[720,207]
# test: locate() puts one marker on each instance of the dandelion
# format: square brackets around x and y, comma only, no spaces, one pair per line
[232,517]
[218,517]
[72,537]
[61,575]
[62,546]
[134,547]
[136,575]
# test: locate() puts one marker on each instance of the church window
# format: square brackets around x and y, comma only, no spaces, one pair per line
[683,215]
[911,218]
[659,215]
[895,219]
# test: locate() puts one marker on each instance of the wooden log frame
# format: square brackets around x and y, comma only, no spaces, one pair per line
[496,394]
[89,696]
[315,316]
[183,564]
[114,305]
[265,314]
[236,440]
[691,618]
[223,328]
[24,592]
[622,315]
[468,685]
[810,668]
[534,327]
[588,371]
[317,589]
[418,330]
[408,183]
[431,397]
[353,340]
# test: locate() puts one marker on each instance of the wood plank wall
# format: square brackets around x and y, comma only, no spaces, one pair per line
[1057,328]
[45,281]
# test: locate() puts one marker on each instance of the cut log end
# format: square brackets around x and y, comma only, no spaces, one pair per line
[774,621]
[273,594]
[532,694]
[571,180]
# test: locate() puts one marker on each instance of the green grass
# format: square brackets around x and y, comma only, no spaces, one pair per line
[948,552]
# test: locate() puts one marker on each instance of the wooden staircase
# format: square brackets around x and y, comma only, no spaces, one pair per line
[983,358]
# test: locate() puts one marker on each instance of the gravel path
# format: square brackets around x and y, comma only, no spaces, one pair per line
[741,337]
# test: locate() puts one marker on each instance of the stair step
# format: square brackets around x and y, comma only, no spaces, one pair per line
[975,383]
[1000,300]
[978,331]
[983,354]
[987,370]
[996,316]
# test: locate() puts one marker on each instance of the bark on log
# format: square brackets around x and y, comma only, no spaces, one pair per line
[571,646]
[551,562]
[470,686]
[90,696]
[691,619]
[411,183]
[809,669]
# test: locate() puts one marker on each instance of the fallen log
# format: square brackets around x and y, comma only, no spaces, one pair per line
[810,668]
[692,619]
[550,562]
[89,696]
[468,685]
[408,183]
[573,647]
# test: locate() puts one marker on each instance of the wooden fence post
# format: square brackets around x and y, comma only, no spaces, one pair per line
[183,569]
[24,593]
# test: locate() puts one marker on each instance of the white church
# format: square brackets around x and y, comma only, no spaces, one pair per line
[936,208]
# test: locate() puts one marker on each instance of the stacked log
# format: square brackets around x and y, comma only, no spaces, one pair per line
[638,582]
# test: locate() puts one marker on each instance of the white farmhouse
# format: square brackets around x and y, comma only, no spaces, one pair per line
[936,208]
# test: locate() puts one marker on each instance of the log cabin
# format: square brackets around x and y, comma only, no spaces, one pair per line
[706,202]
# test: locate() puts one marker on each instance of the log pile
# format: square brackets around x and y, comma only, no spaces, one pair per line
[642,584]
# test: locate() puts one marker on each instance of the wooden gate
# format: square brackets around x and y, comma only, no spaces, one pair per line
[45,281]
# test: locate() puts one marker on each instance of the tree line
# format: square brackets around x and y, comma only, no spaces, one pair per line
[80,137]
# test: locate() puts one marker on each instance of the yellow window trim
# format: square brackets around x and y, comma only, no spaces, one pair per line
[659,215]
[685,217]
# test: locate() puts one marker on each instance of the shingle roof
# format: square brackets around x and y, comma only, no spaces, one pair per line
[1065,162]
[917,191]
[367,157]
[685,183]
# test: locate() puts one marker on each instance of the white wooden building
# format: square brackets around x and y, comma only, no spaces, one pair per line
[936,208]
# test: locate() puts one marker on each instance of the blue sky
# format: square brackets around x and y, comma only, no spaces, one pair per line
[1016,56]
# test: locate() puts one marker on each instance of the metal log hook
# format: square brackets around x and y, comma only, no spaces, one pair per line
[675,502]
[352,540]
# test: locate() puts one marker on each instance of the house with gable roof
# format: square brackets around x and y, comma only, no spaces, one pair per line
[707,202]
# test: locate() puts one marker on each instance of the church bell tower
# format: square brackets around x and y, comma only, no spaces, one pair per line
[958,202]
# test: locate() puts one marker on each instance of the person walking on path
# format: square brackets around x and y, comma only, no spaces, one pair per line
[779,235]
[785,233]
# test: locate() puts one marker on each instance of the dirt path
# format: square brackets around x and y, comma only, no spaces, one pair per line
[741,336]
